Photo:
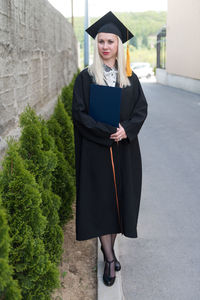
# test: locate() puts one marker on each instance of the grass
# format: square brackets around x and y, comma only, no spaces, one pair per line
[143,55]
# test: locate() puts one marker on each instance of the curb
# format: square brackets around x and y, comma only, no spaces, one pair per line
[104,292]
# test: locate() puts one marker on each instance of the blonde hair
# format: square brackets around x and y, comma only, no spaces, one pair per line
[96,69]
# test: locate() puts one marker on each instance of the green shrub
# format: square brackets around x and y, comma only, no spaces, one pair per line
[9,289]
[38,187]
[62,181]
[55,130]
[37,148]
[67,95]
[36,275]
[66,134]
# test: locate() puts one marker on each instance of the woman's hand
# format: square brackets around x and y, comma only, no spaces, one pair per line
[119,135]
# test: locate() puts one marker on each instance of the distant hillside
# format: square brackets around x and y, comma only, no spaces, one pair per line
[144,26]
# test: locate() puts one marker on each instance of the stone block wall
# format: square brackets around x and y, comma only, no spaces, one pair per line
[38,56]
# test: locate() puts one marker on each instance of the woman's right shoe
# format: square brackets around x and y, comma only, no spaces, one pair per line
[117,263]
[107,279]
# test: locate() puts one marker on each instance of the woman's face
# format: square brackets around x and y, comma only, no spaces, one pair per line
[107,46]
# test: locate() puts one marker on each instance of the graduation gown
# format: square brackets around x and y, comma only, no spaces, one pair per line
[98,211]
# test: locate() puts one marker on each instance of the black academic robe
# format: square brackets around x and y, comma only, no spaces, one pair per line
[97,210]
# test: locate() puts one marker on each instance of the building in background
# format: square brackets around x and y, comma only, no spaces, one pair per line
[179,64]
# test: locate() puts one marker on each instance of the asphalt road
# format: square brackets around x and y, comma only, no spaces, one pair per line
[163,263]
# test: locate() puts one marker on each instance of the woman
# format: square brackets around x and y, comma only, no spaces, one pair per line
[108,160]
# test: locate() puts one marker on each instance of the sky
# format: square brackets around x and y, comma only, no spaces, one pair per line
[101,7]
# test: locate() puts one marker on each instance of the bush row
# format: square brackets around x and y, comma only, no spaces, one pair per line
[37,185]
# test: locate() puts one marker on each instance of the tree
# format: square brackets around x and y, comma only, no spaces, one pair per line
[21,197]
[66,134]
[9,289]
[62,181]
[145,41]
[37,148]
[67,95]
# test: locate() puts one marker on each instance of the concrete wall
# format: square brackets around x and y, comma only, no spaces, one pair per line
[177,81]
[38,56]
[183,38]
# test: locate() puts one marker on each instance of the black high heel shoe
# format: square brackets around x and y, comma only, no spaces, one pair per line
[107,279]
[117,263]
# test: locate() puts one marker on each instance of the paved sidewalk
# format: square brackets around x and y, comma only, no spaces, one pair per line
[163,263]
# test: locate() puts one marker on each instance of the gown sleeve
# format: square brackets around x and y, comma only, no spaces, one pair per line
[139,114]
[92,130]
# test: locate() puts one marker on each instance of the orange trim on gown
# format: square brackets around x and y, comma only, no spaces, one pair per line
[117,200]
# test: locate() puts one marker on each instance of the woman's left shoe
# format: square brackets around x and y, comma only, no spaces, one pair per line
[117,263]
[107,279]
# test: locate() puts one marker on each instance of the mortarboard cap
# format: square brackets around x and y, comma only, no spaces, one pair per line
[109,23]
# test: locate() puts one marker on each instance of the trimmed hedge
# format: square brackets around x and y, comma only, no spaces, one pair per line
[66,134]
[67,95]
[37,184]
[62,181]
[9,288]
[37,148]
[36,275]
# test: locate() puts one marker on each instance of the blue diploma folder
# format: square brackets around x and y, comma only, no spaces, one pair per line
[105,104]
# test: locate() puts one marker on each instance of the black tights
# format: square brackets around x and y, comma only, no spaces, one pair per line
[107,242]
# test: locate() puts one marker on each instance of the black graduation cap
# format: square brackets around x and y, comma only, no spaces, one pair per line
[109,23]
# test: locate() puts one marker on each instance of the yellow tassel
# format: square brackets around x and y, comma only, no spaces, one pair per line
[128,67]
